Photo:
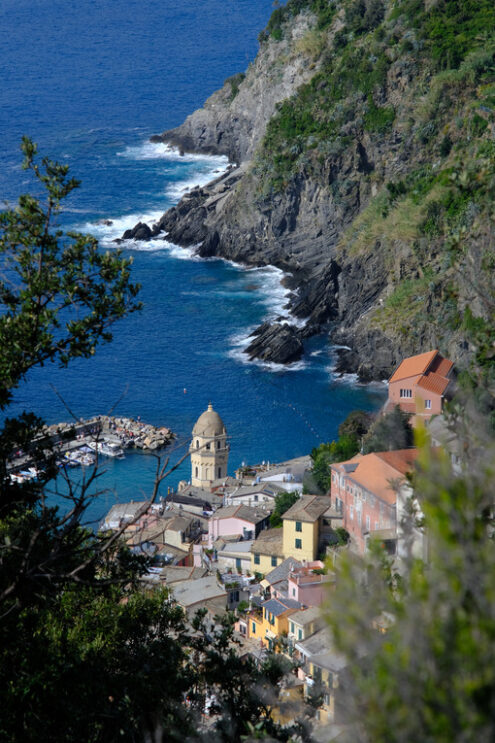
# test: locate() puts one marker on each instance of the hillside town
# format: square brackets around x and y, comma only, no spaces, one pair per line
[262,545]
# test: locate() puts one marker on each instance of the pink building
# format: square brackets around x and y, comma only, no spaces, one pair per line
[308,585]
[420,384]
[364,489]
[243,521]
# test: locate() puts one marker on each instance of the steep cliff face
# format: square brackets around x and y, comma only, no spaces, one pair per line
[234,118]
[363,137]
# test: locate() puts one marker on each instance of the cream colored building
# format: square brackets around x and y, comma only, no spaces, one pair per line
[209,449]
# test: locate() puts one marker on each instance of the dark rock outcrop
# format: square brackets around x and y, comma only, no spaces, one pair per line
[275,342]
[140,232]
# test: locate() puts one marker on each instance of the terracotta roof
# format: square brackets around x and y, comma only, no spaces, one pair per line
[374,472]
[413,366]
[269,542]
[245,513]
[308,508]
[441,366]
[433,383]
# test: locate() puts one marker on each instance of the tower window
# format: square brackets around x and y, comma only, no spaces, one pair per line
[218,444]
[219,472]
[196,471]
[208,446]
[197,444]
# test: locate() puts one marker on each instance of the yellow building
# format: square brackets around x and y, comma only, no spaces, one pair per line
[209,449]
[267,551]
[273,621]
[301,529]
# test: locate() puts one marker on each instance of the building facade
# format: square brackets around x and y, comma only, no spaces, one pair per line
[209,449]
[365,490]
[420,384]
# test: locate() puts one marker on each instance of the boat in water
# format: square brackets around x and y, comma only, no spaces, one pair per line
[107,448]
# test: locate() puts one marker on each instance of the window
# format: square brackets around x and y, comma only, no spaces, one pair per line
[238,564]
[253,627]
[292,627]
[219,472]
[298,544]
[428,404]
[266,613]
[218,444]
[196,472]
[274,562]
[351,513]
[197,444]
[326,699]
[298,526]
[293,591]
[367,523]
[208,445]
[406,393]
[234,596]
[255,498]
[299,634]
[256,559]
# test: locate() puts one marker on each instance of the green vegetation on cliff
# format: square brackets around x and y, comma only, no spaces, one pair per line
[397,127]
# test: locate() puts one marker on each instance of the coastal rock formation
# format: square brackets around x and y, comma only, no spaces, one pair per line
[351,178]
[276,343]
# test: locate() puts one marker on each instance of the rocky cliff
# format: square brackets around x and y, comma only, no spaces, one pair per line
[363,164]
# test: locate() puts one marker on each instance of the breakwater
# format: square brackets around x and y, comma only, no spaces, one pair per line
[80,443]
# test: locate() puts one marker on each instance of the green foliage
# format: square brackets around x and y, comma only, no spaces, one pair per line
[323,9]
[234,81]
[378,118]
[59,293]
[324,455]
[283,501]
[429,674]
[390,431]
[343,535]
[85,654]
[364,15]
[356,424]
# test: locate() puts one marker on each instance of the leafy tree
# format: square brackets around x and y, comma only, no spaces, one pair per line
[324,455]
[390,431]
[431,675]
[85,654]
[283,501]
[356,424]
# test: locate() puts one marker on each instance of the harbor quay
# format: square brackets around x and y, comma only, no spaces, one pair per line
[79,443]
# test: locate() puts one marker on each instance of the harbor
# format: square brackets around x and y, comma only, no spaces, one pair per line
[84,442]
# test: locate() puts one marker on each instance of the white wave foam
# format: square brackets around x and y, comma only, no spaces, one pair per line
[239,355]
[176,191]
[161,151]
[107,233]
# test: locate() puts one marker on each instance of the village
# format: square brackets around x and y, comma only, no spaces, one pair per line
[262,546]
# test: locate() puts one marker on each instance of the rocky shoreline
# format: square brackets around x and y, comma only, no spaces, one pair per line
[301,226]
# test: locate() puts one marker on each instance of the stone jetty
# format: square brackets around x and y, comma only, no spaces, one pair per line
[127,432]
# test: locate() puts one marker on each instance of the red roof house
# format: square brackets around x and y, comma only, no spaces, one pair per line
[420,384]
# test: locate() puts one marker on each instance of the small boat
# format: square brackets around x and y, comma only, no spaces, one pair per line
[107,448]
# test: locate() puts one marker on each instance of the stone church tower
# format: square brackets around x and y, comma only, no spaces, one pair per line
[209,449]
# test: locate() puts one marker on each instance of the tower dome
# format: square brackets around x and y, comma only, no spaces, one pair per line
[209,449]
[209,423]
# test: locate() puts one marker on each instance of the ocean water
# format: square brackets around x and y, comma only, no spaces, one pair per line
[90,82]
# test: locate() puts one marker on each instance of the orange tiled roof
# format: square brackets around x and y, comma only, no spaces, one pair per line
[442,366]
[433,383]
[375,471]
[413,366]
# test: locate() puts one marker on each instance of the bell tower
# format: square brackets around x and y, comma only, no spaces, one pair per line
[209,449]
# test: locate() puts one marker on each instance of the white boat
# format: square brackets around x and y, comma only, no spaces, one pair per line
[107,448]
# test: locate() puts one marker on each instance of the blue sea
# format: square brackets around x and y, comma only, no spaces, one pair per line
[90,82]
